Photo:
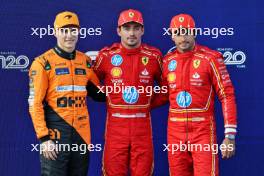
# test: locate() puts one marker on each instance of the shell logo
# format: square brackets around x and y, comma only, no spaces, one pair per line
[171,77]
[116,72]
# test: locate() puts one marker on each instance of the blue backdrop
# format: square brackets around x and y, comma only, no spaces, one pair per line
[21,42]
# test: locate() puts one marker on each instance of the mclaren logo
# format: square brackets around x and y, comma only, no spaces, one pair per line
[68,16]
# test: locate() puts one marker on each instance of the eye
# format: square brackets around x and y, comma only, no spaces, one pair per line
[176,32]
[137,27]
[74,31]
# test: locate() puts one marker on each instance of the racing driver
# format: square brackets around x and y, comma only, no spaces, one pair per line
[194,75]
[59,81]
[130,64]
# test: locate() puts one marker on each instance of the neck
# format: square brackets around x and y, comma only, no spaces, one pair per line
[64,54]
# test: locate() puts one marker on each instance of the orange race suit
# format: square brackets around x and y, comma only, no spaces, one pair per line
[59,82]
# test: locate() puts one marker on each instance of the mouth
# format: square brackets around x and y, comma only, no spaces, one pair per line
[184,43]
[69,40]
[132,38]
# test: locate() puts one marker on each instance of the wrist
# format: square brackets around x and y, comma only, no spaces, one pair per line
[44,138]
[230,136]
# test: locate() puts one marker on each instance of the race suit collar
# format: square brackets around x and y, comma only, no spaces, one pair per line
[130,51]
[64,54]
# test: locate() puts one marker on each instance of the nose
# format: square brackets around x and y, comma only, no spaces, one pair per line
[131,32]
[68,34]
[182,38]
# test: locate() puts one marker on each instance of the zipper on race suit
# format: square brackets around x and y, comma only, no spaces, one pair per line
[73,94]
[185,78]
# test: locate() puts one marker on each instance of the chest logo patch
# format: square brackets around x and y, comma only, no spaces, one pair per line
[184,99]
[171,77]
[172,65]
[144,60]
[62,71]
[196,75]
[116,72]
[145,72]
[80,71]
[196,63]
[116,60]
[130,95]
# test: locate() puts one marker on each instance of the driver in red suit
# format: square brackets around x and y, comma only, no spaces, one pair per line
[128,137]
[194,75]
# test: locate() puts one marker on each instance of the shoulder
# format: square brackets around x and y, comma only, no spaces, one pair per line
[151,51]
[82,55]
[85,58]
[169,56]
[114,48]
[44,59]
[208,53]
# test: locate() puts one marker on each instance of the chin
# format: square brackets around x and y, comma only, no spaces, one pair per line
[186,47]
[132,43]
[70,45]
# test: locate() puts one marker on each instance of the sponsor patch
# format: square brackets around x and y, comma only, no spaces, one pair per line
[171,77]
[184,99]
[196,63]
[116,60]
[33,73]
[145,72]
[196,75]
[60,64]
[172,65]
[80,71]
[117,81]
[146,81]
[130,95]
[67,88]
[116,72]
[144,60]
[62,71]
[172,86]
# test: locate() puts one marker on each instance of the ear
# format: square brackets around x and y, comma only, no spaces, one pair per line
[118,30]
[56,32]
[172,37]
[143,30]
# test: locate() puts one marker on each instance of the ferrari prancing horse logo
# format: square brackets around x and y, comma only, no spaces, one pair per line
[196,63]
[145,60]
